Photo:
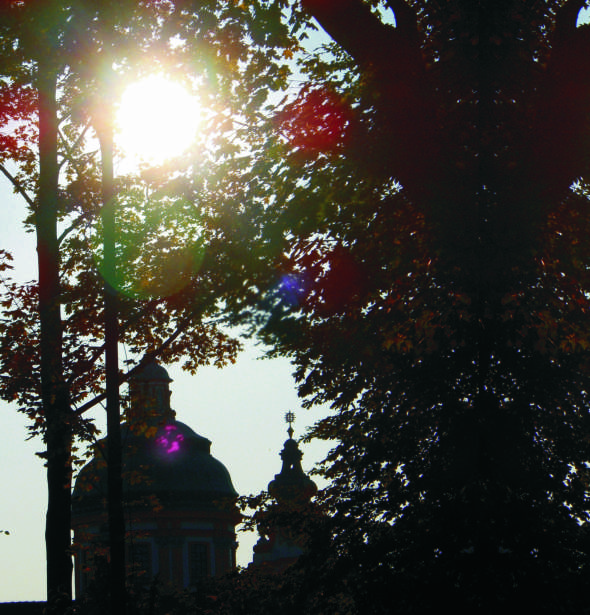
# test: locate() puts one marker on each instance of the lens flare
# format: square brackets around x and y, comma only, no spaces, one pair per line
[292,288]
[156,254]
[317,121]
[170,441]
[159,275]
[324,283]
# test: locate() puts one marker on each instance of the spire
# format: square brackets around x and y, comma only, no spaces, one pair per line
[291,483]
[282,543]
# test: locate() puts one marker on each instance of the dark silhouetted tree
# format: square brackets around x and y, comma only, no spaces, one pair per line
[431,181]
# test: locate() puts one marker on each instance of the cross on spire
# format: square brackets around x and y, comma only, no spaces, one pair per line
[290,418]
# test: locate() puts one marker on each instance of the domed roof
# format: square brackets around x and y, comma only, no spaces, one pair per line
[162,457]
[174,465]
[152,371]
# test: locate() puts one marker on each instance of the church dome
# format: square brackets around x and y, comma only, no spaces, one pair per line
[162,458]
[174,465]
[152,371]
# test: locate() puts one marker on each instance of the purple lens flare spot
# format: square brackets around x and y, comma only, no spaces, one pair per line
[170,440]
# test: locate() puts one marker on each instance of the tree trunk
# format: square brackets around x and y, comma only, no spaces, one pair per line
[55,394]
[111,332]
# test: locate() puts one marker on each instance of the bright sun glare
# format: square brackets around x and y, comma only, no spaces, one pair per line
[157,119]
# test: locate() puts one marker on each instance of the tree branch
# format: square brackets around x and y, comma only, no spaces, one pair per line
[149,356]
[17,186]
[99,351]
[405,16]
[69,148]
[566,19]
[353,26]
[76,224]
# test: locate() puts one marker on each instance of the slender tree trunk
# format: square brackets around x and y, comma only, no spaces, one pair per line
[55,394]
[111,332]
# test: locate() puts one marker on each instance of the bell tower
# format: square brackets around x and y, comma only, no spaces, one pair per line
[292,489]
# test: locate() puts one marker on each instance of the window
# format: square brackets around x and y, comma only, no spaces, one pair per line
[197,562]
[140,560]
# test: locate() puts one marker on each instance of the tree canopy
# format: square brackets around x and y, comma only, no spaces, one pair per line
[432,175]
[63,67]
[409,225]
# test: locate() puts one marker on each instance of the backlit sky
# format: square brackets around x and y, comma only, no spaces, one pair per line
[239,408]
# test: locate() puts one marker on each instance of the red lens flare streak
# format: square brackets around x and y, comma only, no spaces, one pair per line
[316,122]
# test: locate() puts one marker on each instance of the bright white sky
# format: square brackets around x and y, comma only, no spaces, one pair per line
[240,409]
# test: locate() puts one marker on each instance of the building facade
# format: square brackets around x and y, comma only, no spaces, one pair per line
[179,500]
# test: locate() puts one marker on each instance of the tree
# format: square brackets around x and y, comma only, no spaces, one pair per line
[51,77]
[428,274]
[430,178]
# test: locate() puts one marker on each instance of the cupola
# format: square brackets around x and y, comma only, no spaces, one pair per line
[291,483]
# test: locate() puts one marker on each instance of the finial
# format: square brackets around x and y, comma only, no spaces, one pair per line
[290,418]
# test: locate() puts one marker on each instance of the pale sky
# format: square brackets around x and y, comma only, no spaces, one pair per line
[240,409]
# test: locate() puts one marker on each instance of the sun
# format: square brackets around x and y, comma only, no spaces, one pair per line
[156,120]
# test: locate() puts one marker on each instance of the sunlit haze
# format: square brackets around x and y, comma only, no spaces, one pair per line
[157,119]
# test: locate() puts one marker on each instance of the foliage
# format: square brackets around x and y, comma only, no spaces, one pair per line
[170,245]
[62,65]
[430,180]
[410,227]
